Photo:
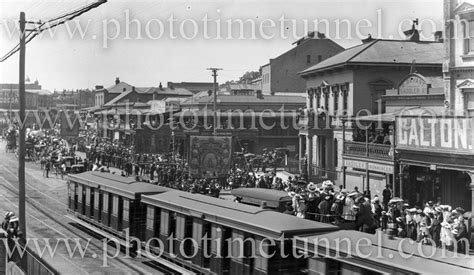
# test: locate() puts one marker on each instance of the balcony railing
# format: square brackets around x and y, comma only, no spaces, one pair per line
[374,151]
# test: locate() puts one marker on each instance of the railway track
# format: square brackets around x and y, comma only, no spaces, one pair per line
[42,206]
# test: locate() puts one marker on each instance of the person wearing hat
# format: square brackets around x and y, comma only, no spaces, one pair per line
[289,209]
[461,235]
[410,223]
[376,210]
[348,213]
[324,208]
[312,202]
[387,195]
[428,207]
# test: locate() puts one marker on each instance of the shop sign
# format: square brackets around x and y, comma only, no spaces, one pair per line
[377,167]
[413,84]
[452,134]
[355,164]
[387,169]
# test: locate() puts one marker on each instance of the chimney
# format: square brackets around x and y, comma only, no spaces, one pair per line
[117,80]
[438,36]
[160,87]
[133,88]
[124,89]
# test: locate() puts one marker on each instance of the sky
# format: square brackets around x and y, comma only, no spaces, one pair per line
[148,42]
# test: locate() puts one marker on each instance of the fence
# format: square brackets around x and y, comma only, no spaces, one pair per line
[21,263]
[376,151]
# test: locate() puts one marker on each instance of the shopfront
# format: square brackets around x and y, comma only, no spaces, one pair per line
[436,157]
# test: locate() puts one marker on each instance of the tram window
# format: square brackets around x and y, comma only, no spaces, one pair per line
[206,232]
[105,202]
[157,219]
[150,218]
[126,209]
[88,194]
[333,267]
[172,224]
[249,251]
[115,204]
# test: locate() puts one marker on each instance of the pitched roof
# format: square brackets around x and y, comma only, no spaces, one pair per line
[122,87]
[296,99]
[117,98]
[381,51]
[168,91]
[264,222]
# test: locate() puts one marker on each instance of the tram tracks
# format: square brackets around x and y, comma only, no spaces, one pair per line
[50,213]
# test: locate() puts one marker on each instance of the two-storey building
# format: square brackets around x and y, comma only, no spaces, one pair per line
[352,83]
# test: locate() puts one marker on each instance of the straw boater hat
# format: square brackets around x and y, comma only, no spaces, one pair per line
[312,187]
[353,194]
[327,184]
[291,194]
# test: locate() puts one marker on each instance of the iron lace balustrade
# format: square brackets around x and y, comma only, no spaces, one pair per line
[371,150]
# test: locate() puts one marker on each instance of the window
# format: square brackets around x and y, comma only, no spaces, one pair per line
[115,205]
[320,58]
[88,196]
[126,209]
[308,59]
[336,100]
[335,152]
[326,100]
[150,217]
[468,37]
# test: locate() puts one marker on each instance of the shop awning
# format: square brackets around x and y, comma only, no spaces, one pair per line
[390,117]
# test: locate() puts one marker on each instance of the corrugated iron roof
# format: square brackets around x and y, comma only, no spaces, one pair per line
[383,52]
[264,222]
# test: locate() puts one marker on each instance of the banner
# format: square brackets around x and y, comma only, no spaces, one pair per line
[210,156]
[450,134]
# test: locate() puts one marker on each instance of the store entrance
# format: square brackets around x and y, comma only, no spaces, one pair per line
[440,186]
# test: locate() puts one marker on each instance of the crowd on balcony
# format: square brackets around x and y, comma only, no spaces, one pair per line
[374,137]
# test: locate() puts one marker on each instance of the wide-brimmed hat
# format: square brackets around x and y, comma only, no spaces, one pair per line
[312,187]
[460,210]
[353,194]
[327,184]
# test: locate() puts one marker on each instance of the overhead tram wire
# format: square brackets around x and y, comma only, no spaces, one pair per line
[40,29]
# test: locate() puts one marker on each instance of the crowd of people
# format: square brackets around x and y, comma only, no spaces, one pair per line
[434,224]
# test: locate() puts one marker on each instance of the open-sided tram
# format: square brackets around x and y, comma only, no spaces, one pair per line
[193,233]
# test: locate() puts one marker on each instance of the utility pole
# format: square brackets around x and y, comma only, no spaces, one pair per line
[214,108]
[21,153]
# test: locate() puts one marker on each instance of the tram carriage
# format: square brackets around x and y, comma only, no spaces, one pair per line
[193,216]
[109,202]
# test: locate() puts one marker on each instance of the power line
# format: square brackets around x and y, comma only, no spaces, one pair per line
[49,25]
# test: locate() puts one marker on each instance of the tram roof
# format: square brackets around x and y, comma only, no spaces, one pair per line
[399,253]
[123,186]
[257,195]
[251,219]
